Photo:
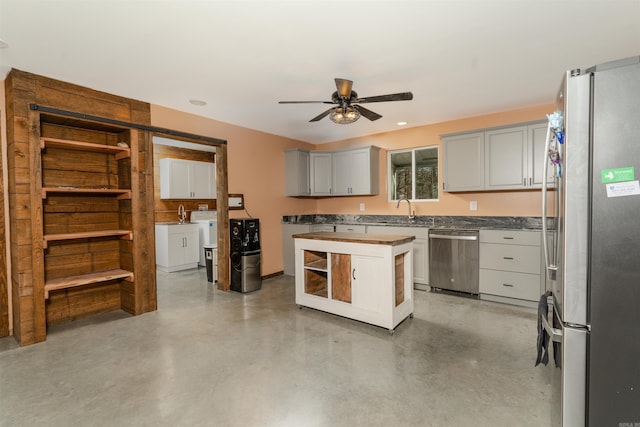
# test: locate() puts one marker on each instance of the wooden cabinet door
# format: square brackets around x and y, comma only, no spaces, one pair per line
[341,277]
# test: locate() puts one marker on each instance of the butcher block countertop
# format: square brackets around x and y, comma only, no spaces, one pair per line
[370,239]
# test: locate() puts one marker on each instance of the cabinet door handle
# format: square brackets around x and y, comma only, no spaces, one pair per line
[524,182]
[530,181]
[353,274]
[507,285]
[508,257]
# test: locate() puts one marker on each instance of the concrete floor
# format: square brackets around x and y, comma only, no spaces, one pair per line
[211,358]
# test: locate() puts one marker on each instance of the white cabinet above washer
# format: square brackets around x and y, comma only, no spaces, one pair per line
[187,179]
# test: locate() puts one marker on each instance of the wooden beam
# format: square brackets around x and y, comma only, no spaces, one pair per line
[37,241]
[222,194]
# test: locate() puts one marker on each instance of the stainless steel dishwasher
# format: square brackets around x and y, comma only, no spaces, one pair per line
[454,260]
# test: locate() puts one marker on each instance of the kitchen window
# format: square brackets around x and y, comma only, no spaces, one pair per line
[413,174]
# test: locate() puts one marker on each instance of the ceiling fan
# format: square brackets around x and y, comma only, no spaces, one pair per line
[347,110]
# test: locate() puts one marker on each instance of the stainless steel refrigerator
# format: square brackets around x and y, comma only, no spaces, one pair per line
[592,245]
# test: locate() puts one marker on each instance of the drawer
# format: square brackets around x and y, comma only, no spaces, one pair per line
[521,259]
[417,232]
[511,285]
[322,227]
[511,237]
[346,228]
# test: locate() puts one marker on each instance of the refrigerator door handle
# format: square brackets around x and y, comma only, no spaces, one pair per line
[554,333]
[550,269]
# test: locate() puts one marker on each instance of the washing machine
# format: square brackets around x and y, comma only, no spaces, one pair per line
[208,234]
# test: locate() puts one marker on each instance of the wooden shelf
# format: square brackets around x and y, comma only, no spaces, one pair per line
[123,234]
[120,152]
[119,193]
[85,279]
[320,265]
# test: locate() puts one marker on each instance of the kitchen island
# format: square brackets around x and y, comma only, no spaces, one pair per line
[365,277]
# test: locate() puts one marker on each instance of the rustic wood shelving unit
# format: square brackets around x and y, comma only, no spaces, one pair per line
[93,277]
[80,163]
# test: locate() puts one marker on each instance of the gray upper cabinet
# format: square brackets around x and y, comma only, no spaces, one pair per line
[355,172]
[505,155]
[463,158]
[297,181]
[537,139]
[320,173]
[332,173]
[507,158]
[514,157]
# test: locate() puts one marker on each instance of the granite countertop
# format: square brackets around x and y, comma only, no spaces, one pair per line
[463,222]
[371,239]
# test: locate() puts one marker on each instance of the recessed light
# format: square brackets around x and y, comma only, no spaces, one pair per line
[198,102]
[3,44]
[402,123]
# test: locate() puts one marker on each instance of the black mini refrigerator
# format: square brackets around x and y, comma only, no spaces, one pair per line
[245,254]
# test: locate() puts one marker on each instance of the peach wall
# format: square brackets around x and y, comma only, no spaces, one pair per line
[255,162]
[504,203]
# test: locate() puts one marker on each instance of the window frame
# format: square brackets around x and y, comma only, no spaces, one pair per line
[390,185]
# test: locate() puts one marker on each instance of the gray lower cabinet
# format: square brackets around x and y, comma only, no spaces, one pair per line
[420,248]
[288,249]
[510,266]
[348,228]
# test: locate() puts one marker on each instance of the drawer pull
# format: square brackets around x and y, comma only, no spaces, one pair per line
[507,238]
[508,257]
[507,285]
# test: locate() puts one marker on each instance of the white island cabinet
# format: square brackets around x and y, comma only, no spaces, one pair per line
[420,250]
[365,277]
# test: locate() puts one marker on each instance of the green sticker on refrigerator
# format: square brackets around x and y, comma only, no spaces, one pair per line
[617,175]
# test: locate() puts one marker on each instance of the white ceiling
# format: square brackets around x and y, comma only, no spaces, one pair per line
[459,58]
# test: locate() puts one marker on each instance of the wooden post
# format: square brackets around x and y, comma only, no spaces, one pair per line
[37,238]
[222,203]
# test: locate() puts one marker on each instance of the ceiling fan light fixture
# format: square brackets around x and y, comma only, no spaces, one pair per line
[344,116]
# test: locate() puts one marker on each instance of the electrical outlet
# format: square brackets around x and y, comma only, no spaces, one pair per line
[361,207]
[473,205]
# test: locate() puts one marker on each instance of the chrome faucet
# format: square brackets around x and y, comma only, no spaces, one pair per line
[182,214]
[412,214]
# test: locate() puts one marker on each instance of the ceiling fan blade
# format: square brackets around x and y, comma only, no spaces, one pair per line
[403,96]
[344,87]
[321,116]
[306,102]
[367,113]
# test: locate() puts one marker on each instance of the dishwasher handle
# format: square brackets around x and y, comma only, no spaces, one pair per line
[452,237]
